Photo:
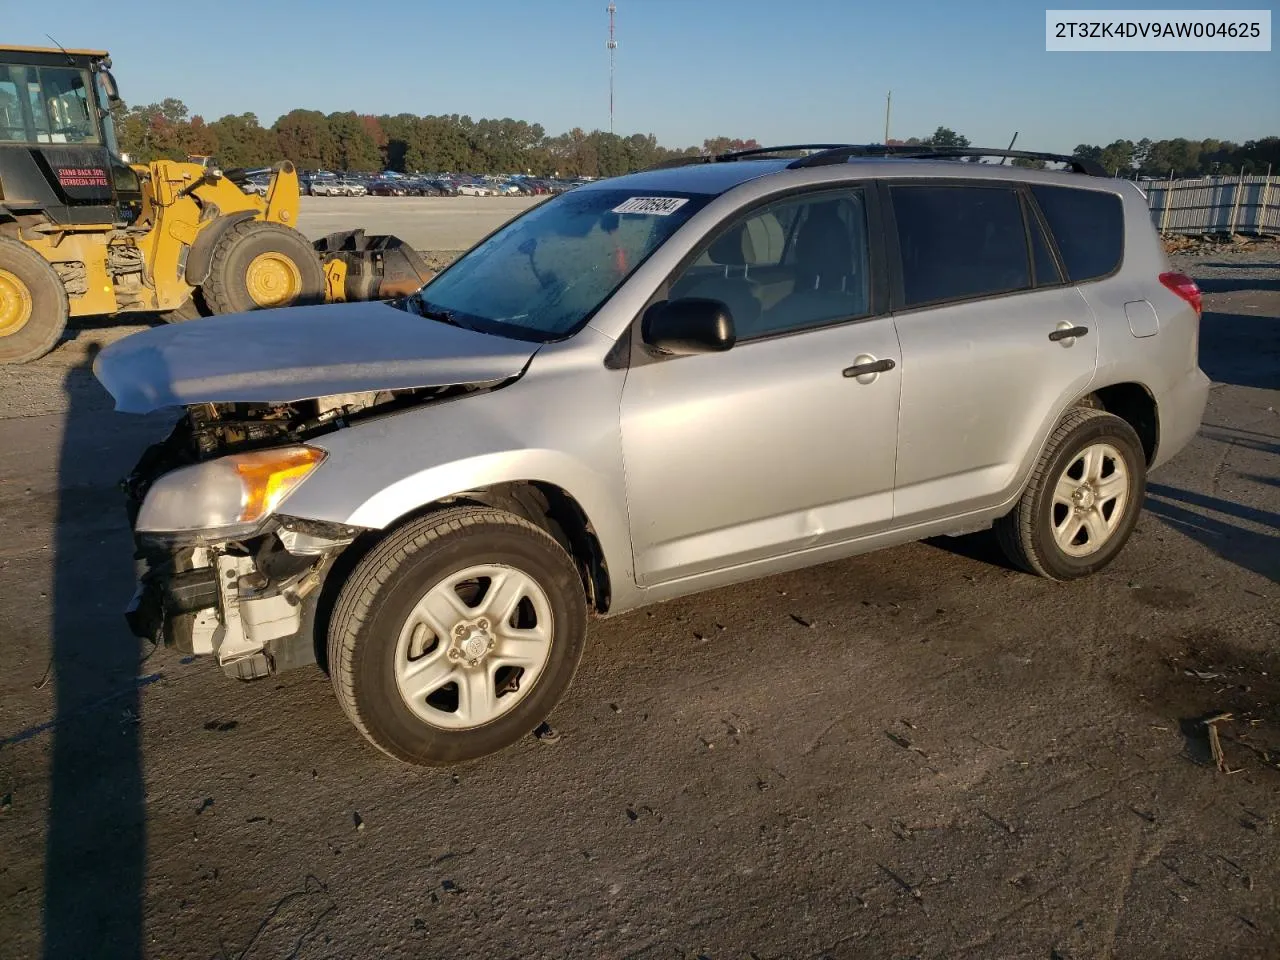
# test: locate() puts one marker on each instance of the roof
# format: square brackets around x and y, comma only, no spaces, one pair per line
[718,177]
[95,54]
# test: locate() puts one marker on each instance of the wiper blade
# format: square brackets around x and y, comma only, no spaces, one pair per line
[424,309]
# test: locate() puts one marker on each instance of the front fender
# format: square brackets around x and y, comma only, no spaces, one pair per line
[557,426]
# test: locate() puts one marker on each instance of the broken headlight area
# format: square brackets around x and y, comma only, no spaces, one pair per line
[250,602]
[220,573]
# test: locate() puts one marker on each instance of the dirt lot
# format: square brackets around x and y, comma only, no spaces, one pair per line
[917,753]
[425,223]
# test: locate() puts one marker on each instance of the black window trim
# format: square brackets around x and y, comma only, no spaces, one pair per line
[1062,263]
[897,289]
[1033,217]
[877,253]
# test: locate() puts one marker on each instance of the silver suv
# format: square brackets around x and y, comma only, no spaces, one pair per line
[645,387]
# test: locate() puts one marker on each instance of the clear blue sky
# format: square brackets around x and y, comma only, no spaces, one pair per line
[777,70]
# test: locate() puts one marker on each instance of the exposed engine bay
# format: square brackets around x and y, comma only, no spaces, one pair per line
[250,601]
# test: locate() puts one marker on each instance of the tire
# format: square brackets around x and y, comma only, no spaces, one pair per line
[193,309]
[1034,534]
[371,642]
[258,265]
[33,304]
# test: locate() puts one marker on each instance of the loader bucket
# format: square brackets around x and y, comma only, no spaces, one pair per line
[379,267]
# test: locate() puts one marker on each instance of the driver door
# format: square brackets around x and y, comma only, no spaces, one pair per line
[778,445]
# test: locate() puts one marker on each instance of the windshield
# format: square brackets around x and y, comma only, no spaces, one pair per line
[543,275]
[46,105]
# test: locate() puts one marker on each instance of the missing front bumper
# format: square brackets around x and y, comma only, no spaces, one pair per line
[251,604]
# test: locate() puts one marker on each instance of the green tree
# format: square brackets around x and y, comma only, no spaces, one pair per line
[1117,157]
[946,137]
[353,147]
[243,143]
[718,145]
[305,139]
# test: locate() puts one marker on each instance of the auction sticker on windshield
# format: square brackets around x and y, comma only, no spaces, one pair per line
[654,206]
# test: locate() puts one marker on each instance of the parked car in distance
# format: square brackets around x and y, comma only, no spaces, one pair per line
[660,384]
[475,190]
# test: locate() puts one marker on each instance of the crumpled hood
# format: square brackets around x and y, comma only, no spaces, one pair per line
[299,353]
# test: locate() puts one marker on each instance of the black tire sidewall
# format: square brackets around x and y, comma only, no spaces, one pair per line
[49,307]
[228,291]
[389,720]
[1119,434]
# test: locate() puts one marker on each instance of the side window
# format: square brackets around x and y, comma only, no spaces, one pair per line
[959,242]
[1046,267]
[1089,228]
[12,127]
[797,263]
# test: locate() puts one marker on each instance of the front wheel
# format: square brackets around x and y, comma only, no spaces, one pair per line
[457,635]
[1083,500]
[258,265]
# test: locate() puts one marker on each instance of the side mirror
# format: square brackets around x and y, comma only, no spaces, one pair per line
[109,87]
[689,325]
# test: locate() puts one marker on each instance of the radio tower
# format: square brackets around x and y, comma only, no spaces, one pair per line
[612,44]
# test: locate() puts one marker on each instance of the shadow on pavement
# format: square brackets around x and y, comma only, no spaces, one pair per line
[1238,437]
[1231,285]
[1241,349]
[96,848]
[1248,549]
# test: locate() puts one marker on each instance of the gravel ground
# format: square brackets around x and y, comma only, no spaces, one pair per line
[916,753]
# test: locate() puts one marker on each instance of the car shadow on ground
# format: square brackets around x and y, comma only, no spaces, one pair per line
[96,841]
[1231,285]
[1241,349]
[1188,513]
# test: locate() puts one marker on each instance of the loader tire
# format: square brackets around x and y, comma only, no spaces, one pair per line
[193,309]
[33,304]
[258,265]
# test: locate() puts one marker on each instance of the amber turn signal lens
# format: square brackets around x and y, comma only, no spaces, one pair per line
[268,476]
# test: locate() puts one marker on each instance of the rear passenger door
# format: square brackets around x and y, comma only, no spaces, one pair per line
[994,341]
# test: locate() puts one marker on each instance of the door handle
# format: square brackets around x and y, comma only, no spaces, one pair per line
[1068,333]
[868,367]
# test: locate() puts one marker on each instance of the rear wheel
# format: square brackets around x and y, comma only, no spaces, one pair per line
[1083,499]
[33,304]
[258,265]
[457,635]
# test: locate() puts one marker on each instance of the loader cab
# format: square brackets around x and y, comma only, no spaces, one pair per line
[59,159]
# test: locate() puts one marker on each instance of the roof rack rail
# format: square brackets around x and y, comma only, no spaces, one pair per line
[744,154]
[924,152]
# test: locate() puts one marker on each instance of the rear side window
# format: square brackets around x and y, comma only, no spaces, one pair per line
[1089,228]
[959,242]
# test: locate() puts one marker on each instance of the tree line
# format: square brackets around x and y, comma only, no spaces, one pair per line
[451,143]
[1185,158]
[404,142]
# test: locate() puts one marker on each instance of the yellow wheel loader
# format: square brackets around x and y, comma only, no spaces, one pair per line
[84,233]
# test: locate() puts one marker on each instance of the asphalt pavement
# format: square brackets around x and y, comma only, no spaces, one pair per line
[915,753]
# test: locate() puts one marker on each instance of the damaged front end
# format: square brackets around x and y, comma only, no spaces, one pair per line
[220,571]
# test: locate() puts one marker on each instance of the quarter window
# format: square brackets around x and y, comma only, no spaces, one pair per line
[959,242]
[797,263]
[1089,228]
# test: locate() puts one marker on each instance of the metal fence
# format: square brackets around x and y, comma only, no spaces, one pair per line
[1220,205]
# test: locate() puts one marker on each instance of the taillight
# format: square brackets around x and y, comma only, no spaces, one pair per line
[1186,288]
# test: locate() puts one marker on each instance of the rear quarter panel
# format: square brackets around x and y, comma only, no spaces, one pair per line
[1166,364]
